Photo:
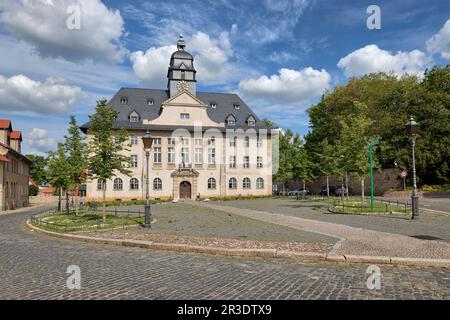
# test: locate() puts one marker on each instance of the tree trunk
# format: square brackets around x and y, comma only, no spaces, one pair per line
[346,185]
[328,187]
[67,202]
[59,200]
[77,207]
[342,189]
[304,191]
[104,202]
[362,191]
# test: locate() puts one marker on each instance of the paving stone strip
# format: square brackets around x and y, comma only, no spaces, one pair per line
[354,241]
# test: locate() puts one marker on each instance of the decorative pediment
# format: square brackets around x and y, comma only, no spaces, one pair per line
[185,172]
[184,98]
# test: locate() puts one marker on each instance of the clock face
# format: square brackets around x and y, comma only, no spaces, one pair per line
[182,86]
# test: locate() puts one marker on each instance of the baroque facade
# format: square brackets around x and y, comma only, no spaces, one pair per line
[205,144]
[14,169]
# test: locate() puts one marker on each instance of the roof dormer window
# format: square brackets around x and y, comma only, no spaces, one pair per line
[236,106]
[149,102]
[134,117]
[231,120]
[251,121]
[124,100]
[213,105]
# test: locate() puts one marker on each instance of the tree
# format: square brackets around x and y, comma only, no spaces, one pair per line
[353,143]
[326,161]
[38,168]
[76,151]
[105,148]
[390,101]
[59,173]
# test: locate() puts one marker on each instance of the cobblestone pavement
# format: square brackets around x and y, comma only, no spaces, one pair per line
[357,241]
[33,266]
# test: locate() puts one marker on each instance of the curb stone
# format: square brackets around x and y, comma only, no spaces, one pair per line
[262,253]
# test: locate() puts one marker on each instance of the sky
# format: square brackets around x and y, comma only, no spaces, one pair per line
[57,57]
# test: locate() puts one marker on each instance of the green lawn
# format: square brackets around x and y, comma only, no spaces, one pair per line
[88,221]
[354,206]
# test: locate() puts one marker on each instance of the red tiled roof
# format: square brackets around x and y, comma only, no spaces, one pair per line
[4,158]
[16,135]
[4,124]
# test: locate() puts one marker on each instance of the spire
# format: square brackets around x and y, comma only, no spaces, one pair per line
[180,43]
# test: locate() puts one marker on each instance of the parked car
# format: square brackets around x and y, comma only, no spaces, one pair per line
[282,192]
[339,191]
[323,190]
[299,192]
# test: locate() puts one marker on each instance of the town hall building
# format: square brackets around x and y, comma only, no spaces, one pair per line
[205,144]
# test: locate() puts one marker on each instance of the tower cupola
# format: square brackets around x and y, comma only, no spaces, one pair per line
[181,73]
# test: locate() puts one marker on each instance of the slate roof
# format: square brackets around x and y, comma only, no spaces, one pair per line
[137,101]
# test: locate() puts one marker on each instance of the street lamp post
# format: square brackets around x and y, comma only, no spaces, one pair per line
[147,139]
[411,127]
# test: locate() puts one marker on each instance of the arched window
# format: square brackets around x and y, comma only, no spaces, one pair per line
[260,183]
[118,184]
[231,120]
[157,184]
[211,183]
[246,183]
[101,184]
[232,183]
[134,184]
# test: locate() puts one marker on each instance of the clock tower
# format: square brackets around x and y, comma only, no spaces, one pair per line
[181,73]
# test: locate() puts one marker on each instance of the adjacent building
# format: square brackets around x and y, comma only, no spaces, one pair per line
[14,169]
[205,144]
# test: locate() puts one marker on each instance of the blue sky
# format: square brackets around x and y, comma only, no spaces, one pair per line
[279,56]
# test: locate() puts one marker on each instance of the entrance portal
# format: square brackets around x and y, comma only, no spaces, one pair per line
[185,190]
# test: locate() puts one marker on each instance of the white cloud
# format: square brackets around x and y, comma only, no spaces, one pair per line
[211,57]
[151,65]
[39,141]
[22,95]
[292,86]
[373,59]
[42,23]
[440,42]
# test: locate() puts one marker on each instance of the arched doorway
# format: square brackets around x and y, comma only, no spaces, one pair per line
[185,190]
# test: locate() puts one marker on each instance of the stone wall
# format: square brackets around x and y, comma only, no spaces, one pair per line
[383,181]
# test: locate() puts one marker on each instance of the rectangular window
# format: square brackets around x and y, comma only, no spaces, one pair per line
[246,162]
[184,115]
[246,141]
[134,160]
[212,156]
[156,140]
[185,155]
[232,161]
[171,155]
[198,142]
[133,140]
[184,141]
[157,155]
[259,143]
[259,162]
[171,141]
[198,155]
[233,141]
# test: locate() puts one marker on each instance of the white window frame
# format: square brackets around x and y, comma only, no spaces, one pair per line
[134,140]
[171,155]
[134,184]
[246,162]
[157,155]
[246,183]
[259,183]
[185,116]
[134,161]
[118,184]
[232,162]
[259,162]
[211,184]
[198,155]
[232,183]
[211,155]
[157,184]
